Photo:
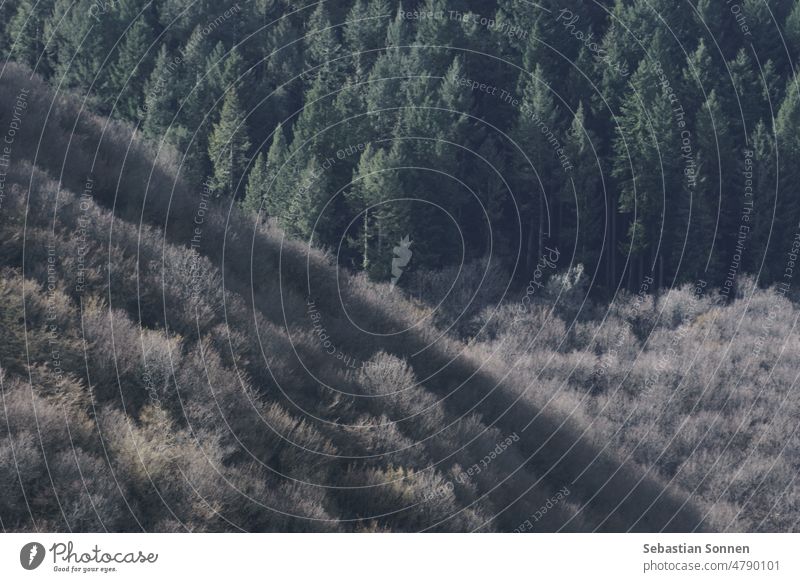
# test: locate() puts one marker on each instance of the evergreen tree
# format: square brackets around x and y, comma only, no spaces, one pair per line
[747,91]
[130,70]
[386,218]
[228,146]
[787,139]
[26,33]
[765,188]
[365,32]
[581,192]
[78,45]
[258,184]
[535,133]
[160,96]
[271,180]
[647,164]
[431,55]
[311,215]
[792,31]
[716,201]
[323,51]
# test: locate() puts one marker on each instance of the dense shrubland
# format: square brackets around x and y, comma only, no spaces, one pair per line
[694,391]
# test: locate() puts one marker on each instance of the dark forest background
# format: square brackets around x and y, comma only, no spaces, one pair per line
[644,136]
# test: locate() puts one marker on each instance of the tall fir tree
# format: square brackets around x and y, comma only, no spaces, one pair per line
[647,164]
[228,147]
[323,51]
[535,133]
[160,96]
[582,195]
[130,70]
[26,33]
[271,180]
[258,184]
[792,31]
[365,33]
[378,194]
[716,201]
[787,139]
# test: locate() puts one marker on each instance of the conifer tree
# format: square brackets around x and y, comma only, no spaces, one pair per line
[647,163]
[535,132]
[311,215]
[765,191]
[160,96]
[257,187]
[26,33]
[130,69]
[430,55]
[792,31]
[749,92]
[323,50]
[787,139]
[378,188]
[589,204]
[76,43]
[716,201]
[228,146]
[271,180]
[365,32]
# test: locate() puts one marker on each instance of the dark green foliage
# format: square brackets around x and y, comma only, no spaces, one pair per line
[25,34]
[228,147]
[130,70]
[333,76]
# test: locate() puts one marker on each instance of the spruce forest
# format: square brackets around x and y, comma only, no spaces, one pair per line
[383,266]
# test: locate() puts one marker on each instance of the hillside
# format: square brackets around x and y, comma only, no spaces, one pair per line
[170,363]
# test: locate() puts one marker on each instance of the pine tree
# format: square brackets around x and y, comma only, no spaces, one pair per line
[647,164]
[765,188]
[7,11]
[535,132]
[385,93]
[365,32]
[581,190]
[228,146]
[316,130]
[196,103]
[456,104]
[26,33]
[160,97]
[78,44]
[224,69]
[130,70]
[747,86]
[281,173]
[716,201]
[430,55]
[792,31]
[194,83]
[311,215]
[178,18]
[271,180]
[386,218]
[322,48]
[257,187]
[787,139]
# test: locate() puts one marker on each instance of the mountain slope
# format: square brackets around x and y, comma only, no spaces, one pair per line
[173,365]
